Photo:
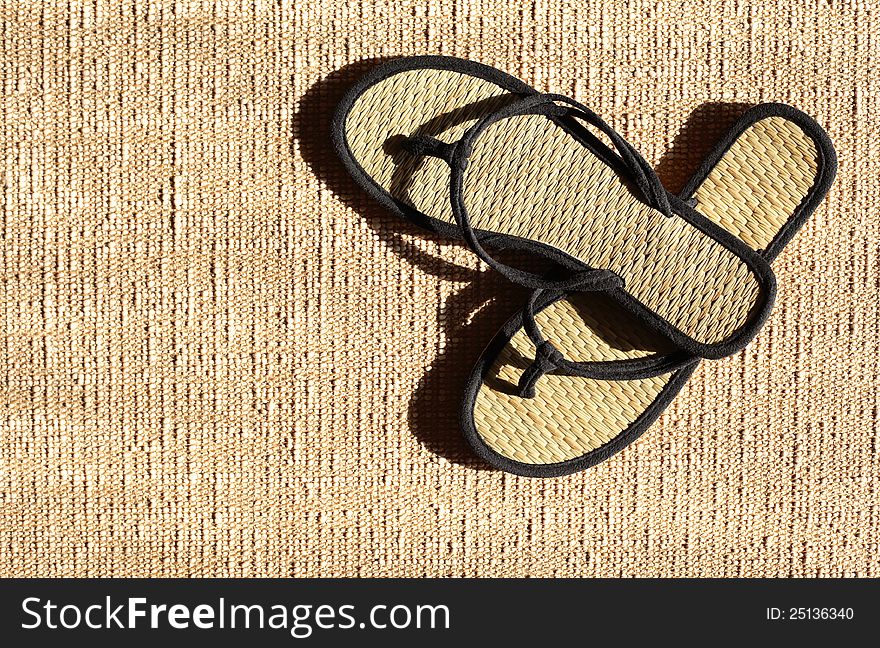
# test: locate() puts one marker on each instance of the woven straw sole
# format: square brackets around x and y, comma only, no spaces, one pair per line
[752,192]
[531,179]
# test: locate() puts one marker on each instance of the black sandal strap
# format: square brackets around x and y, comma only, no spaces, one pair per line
[456,155]
[427,145]
[646,179]
[548,358]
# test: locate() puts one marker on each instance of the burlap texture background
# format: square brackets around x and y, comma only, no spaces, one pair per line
[220,358]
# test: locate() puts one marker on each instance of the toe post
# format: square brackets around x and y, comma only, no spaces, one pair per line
[547,358]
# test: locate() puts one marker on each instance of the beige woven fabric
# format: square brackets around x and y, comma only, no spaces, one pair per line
[220,358]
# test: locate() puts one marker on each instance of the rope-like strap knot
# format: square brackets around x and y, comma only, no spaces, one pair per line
[421,145]
[547,358]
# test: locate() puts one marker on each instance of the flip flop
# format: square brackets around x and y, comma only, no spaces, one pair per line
[760,183]
[531,176]
[674,282]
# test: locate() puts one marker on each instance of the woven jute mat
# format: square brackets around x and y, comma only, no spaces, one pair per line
[220,358]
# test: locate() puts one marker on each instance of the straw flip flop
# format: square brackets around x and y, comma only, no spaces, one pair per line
[760,183]
[657,282]
[523,170]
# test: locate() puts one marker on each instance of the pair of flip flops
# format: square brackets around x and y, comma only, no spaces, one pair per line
[646,283]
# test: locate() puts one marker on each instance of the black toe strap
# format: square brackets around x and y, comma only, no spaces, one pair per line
[549,106]
[547,358]
[427,145]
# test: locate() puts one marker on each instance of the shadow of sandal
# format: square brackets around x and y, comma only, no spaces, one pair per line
[472,316]
[704,127]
